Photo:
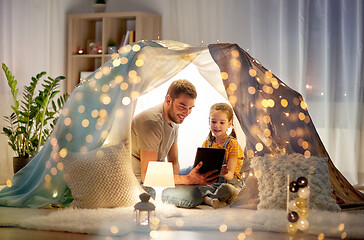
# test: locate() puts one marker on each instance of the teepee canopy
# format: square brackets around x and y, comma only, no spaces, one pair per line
[273,117]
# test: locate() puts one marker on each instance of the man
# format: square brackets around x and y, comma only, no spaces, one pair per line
[154,137]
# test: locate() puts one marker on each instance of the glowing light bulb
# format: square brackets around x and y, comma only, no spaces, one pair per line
[292,228]
[303,224]
[304,192]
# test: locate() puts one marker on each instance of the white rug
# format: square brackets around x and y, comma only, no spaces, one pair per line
[119,221]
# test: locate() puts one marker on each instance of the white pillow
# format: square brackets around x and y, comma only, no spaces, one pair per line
[272,171]
[102,178]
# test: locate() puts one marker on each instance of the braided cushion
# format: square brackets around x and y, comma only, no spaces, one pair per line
[271,172]
[102,178]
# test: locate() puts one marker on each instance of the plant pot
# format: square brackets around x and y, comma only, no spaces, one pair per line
[19,163]
[112,49]
[99,7]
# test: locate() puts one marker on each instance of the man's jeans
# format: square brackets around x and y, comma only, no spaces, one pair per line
[183,196]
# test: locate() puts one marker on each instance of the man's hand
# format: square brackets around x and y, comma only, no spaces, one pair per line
[197,178]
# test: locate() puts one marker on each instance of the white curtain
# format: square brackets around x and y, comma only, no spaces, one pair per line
[33,38]
[315,46]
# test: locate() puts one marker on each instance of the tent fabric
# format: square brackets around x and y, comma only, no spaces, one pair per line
[273,117]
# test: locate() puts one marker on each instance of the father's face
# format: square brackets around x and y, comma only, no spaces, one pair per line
[179,108]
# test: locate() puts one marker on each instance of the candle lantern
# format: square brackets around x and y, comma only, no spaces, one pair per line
[144,211]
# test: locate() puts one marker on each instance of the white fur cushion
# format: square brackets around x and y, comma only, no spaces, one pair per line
[102,178]
[272,171]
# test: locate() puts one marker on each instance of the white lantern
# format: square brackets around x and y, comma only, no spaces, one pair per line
[144,211]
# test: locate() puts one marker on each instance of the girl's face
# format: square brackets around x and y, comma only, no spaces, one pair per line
[219,123]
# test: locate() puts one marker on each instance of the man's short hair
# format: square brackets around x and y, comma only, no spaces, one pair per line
[181,86]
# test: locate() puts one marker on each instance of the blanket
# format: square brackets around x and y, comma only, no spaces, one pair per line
[119,221]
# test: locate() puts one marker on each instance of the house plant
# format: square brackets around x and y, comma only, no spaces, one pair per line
[111,47]
[99,6]
[34,117]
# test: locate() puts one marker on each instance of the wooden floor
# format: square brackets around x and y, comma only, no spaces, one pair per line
[24,234]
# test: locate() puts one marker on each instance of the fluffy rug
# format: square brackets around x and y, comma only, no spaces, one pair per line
[119,221]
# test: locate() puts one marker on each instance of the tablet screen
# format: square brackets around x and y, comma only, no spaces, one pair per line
[212,158]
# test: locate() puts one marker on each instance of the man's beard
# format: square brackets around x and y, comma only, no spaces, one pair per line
[173,116]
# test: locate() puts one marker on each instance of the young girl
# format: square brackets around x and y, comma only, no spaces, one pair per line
[229,183]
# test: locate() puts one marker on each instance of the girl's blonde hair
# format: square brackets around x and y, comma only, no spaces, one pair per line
[224,107]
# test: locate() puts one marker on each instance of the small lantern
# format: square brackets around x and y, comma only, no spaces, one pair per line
[144,211]
[80,51]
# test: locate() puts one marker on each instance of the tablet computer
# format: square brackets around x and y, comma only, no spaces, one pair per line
[212,158]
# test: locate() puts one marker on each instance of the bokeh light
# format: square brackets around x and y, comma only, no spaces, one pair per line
[224,75]
[114,229]
[268,74]
[136,47]
[103,113]
[54,171]
[341,227]
[126,101]
[223,228]
[233,100]
[98,75]
[259,147]
[60,166]
[69,137]
[179,222]
[321,236]
[81,108]
[258,174]
[123,60]
[119,79]
[307,154]
[241,236]
[139,63]
[105,88]
[248,231]
[63,153]
[284,103]
[252,72]
[8,183]
[85,123]
[251,90]
[65,111]
[67,121]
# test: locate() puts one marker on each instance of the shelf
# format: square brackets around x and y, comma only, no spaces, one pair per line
[88,55]
[99,29]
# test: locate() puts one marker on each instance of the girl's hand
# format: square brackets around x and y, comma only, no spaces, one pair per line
[224,170]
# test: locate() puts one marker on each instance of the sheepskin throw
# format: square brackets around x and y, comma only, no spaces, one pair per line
[272,171]
[102,178]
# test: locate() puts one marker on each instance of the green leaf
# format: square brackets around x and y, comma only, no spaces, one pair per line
[41,74]
[15,109]
[33,120]
[7,131]
[22,129]
[53,94]
[23,120]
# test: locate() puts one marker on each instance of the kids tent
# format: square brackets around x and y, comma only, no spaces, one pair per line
[98,113]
